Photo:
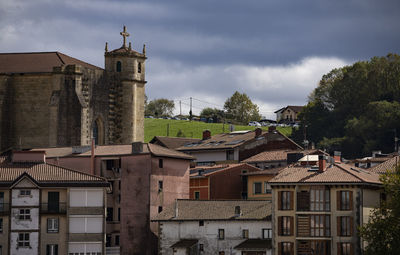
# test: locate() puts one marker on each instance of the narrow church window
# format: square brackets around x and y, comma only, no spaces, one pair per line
[139,67]
[119,66]
[96,133]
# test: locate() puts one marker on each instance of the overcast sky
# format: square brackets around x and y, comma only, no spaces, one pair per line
[275,51]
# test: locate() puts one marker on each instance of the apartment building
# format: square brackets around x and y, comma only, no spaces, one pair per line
[47,209]
[317,209]
[145,178]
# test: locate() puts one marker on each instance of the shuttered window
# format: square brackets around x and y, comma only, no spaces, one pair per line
[344,200]
[285,200]
[345,225]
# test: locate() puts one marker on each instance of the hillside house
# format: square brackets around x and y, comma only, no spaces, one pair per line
[236,146]
[288,114]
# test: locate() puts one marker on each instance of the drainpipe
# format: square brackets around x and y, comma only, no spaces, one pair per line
[92,158]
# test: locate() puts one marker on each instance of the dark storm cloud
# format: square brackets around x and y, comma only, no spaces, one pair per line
[275,51]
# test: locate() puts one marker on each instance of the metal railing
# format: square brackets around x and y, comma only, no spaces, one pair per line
[60,208]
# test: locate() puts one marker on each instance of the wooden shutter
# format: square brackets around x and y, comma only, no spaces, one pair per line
[338,200]
[351,225]
[291,248]
[339,251]
[351,200]
[279,248]
[351,249]
[338,223]
[291,200]
[280,225]
[280,200]
[291,225]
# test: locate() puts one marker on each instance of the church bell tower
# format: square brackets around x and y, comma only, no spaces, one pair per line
[125,70]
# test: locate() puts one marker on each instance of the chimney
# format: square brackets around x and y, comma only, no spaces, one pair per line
[29,157]
[271,129]
[137,147]
[206,134]
[321,163]
[258,132]
[337,156]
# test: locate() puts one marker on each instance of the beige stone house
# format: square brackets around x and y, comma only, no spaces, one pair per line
[48,209]
[317,209]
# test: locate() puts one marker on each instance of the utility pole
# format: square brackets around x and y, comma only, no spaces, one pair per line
[190,112]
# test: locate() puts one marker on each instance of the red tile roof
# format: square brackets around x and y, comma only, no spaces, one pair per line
[334,173]
[37,62]
[388,165]
[210,170]
[173,142]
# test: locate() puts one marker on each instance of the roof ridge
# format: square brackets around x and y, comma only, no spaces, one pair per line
[347,171]
[76,171]
[58,55]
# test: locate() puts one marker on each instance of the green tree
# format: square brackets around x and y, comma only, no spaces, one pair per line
[355,108]
[382,232]
[160,107]
[240,108]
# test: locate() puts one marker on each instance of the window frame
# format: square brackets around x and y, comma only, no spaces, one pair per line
[24,214]
[345,200]
[286,226]
[286,200]
[25,192]
[160,163]
[255,184]
[320,223]
[195,195]
[221,234]
[110,214]
[266,233]
[53,225]
[51,249]
[320,200]
[267,188]
[345,226]
[25,242]
[245,233]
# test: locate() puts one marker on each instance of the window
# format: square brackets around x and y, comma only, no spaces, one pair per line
[345,249]
[201,247]
[23,240]
[345,226]
[285,226]
[320,199]
[117,240]
[110,215]
[245,233]
[108,240]
[119,66]
[159,209]
[345,200]
[320,225]
[160,186]
[113,164]
[24,214]
[52,249]
[257,187]
[201,223]
[160,163]
[119,214]
[139,67]
[266,233]
[221,234]
[267,187]
[230,155]
[285,248]
[25,192]
[1,226]
[197,195]
[285,200]
[52,225]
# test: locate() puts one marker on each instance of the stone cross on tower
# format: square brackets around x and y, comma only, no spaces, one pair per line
[124,35]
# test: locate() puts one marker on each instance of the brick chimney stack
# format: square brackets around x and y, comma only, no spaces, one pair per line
[206,134]
[337,156]
[258,132]
[321,163]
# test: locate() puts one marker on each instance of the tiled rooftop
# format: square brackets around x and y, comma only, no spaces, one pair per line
[334,173]
[215,210]
[174,142]
[389,164]
[37,62]
[210,170]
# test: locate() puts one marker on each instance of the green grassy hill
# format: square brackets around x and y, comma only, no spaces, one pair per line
[192,129]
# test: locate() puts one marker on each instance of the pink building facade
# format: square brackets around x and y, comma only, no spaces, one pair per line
[145,179]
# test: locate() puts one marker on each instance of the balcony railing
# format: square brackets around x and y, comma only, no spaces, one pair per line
[4,208]
[60,208]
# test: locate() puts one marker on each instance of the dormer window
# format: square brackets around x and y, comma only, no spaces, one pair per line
[119,66]
[139,67]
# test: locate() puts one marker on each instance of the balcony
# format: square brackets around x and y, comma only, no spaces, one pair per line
[60,208]
[4,208]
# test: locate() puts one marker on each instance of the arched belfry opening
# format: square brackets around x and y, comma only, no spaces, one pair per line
[98,132]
